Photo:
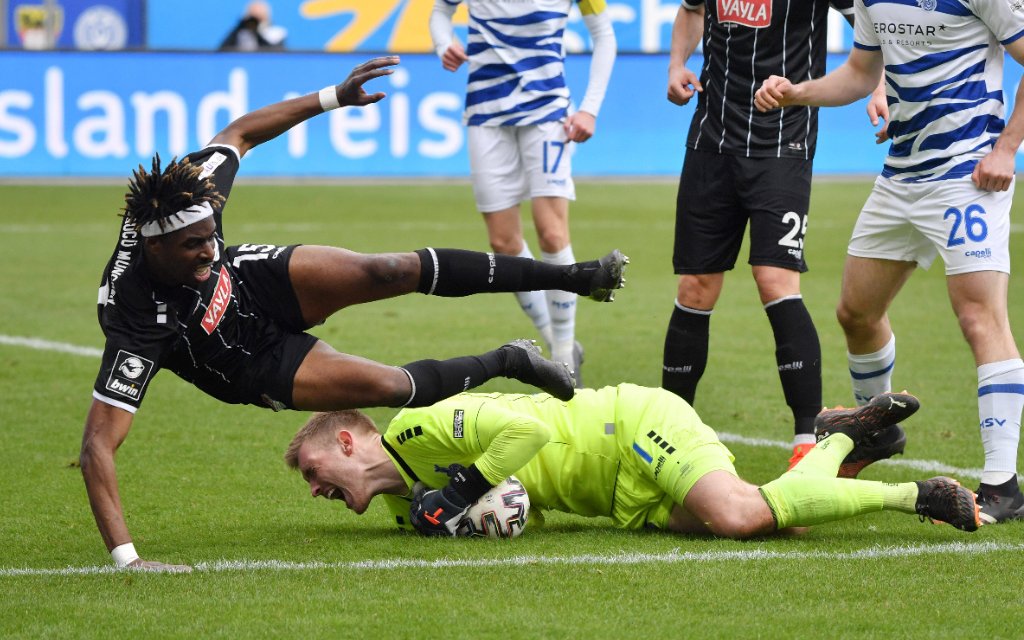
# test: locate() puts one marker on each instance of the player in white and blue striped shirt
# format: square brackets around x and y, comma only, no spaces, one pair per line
[522,130]
[946,189]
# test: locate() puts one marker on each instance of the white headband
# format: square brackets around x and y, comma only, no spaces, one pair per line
[180,220]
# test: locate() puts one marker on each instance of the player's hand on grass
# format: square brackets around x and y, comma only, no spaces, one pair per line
[682,85]
[152,565]
[437,512]
[351,93]
[453,56]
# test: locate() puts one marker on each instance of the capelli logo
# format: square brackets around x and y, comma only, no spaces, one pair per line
[928,5]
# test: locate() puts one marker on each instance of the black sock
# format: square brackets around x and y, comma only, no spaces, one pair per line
[435,380]
[686,352]
[457,272]
[798,355]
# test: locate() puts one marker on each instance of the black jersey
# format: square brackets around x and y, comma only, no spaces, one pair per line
[205,334]
[745,41]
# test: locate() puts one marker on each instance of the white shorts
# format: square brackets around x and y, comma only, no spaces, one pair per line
[511,164]
[968,227]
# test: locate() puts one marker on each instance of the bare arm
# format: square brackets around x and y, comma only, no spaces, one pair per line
[687,31]
[106,427]
[856,78]
[996,170]
[878,103]
[271,121]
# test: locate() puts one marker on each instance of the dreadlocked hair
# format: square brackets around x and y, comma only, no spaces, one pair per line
[159,196]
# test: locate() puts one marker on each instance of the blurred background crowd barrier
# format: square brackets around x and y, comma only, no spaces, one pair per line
[94,87]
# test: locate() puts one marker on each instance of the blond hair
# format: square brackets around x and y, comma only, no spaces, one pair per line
[323,425]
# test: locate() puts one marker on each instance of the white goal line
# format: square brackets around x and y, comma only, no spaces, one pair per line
[672,557]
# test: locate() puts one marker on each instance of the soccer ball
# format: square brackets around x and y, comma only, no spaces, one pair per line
[500,513]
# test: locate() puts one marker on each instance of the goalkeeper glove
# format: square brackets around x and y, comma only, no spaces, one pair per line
[438,512]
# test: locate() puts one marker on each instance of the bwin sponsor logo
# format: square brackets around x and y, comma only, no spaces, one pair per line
[992,422]
[129,390]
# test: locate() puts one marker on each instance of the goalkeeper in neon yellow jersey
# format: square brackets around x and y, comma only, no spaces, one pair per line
[639,456]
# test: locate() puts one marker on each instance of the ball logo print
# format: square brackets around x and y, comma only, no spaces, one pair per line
[132,367]
[502,512]
[129,374]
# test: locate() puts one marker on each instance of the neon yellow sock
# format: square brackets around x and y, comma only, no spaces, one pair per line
[826,456]
[801,500]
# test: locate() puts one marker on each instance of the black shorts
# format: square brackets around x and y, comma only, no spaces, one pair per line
[718,193]
[271,372]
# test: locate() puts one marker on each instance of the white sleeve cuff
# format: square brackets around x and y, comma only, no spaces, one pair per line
[114,403]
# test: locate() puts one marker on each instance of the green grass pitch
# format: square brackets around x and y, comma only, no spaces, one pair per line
[204,483]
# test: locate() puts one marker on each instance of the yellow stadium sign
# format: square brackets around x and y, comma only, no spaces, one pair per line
[410,31]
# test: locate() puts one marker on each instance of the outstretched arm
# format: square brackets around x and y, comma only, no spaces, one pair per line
[106,427]
[856,78]
[687,31]
[271,121]
[996,170]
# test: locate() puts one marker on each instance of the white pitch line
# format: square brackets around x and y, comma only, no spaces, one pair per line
[627,559]
[47,345]
[927,466]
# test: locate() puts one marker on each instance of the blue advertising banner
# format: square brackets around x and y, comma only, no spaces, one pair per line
[641,26]
[100,114]
[93,25]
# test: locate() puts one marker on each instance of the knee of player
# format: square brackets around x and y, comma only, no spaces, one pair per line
[975,313]
[851,318]
[391,268]
[774,283]
[392,389]
[506,245]
[552,240]
[738,523]
[698,291]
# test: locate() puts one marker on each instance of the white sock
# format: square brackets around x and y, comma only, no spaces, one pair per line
[1000,401]
[534,304]
[871,373]
[803,438]
[562,309]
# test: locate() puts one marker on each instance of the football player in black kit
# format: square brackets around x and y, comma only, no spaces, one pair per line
[231,319]
[740,166]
